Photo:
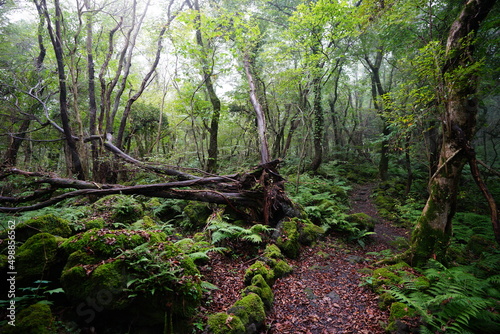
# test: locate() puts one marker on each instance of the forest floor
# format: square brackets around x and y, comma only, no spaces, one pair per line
[323,293]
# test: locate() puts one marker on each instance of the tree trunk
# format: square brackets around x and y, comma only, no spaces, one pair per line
[56,38]
[318,126]
[207,69]
[261,119]
[432,234]
[94,148]
[378,95]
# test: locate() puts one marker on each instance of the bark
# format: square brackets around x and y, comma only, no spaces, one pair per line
[378,93]
[259,194]
[261,120]
[94,149]
[431,236]
[56,38]
[10,157]
[207,69]
[318,125]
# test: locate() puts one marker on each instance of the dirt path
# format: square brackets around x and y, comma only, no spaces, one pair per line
[323,295]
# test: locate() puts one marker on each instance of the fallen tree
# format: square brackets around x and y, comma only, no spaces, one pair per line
[260,191]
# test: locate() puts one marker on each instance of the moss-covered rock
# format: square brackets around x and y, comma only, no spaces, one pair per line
[281,268]
[97,223]
[124,209]
[250,309]
[37,258]
[45,224]
[143,224]
[196,214]
[309,233]
[288,239]
[272,252]
[399,310]
[105,243]
[260,287]
[390,275]
[259,268]
[362,221]
[385,300]
[103,284]
[35,319]
[223,323]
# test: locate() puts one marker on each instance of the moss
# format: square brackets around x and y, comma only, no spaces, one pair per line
[145,223]
[428,242]
[259,268]
[95,223]
[109,243]
[309,233]
[362,221]
[391,275]
[223,323]
[288,240]
[196,214]
[399,310]
[79,257]
[250,309]
[45,224]
[103,284]
[281,269]
[273,252]
[260,287]
[385,301]
[124,209]
[37,257]
[36,318]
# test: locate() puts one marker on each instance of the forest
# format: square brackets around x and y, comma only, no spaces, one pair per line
[249,166]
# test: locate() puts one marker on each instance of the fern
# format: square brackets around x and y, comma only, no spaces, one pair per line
[222,231]
[456,302]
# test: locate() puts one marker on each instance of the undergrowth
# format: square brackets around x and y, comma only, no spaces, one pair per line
[457,300]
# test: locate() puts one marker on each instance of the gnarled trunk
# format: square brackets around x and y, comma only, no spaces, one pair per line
[431,236]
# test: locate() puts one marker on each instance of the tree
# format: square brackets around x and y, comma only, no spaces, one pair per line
[431,236]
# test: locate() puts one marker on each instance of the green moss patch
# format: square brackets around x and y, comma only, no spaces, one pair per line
[36,257]
[260,287]
[36,318]
[42,224]
[288,240]
[223,323]
[250,309]
[107,243]
[259,268]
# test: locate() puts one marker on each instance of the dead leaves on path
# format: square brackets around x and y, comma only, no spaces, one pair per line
[323,296]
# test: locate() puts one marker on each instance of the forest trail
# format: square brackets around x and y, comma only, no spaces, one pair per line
[322,295]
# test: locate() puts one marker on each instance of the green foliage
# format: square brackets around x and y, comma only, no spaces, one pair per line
[36,294]
[163,271]
[124,209]
[456,301]
[222,231]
